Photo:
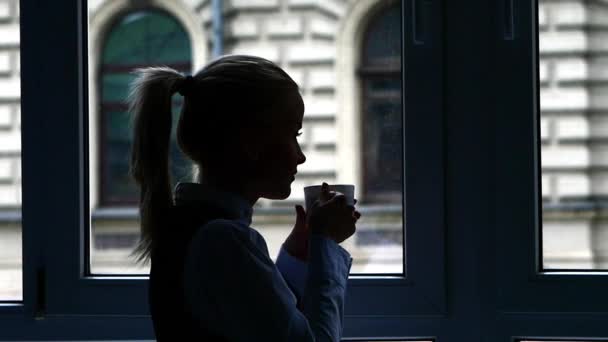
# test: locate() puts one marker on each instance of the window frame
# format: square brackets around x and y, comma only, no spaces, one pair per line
[526,304]
[57,295]
[523,278]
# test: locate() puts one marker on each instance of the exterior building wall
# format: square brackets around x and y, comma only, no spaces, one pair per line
[574,129]
[10,116]
[10,152]
[597,29]
[301,37]
[317,43]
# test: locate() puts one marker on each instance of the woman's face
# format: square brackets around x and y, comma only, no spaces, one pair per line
[280,153]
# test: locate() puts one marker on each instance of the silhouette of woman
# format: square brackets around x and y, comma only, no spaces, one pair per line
[211,277]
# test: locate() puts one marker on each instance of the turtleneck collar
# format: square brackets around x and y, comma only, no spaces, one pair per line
[233,204]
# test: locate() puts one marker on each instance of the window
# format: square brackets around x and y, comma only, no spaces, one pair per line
[472,254]
[378,246]
[11,285]
[58,284]
[381,124]
[138,39]
[547,293]
[572,137]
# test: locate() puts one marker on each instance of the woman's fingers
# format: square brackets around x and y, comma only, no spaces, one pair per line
[325,195]
[300,215]
[337,199]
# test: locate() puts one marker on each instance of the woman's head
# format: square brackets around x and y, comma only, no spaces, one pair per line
[234,108]
[238,124]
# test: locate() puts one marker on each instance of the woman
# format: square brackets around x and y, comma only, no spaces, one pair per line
[211,278]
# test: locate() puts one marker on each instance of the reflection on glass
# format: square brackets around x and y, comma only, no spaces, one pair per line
[304,44]
[573,70]
[11,285]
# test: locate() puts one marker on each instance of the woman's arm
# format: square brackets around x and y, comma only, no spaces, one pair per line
[235,290]
[323,299]
[293,270]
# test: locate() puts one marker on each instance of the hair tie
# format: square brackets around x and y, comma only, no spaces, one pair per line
[186,85]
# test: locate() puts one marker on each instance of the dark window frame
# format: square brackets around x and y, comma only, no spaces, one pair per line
[58,292]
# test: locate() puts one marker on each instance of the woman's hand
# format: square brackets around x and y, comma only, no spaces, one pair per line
[296,243]
[332,217]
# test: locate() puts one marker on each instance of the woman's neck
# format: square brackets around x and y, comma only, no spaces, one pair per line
[230,186]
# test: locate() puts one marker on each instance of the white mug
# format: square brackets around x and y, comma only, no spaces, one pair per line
[312,193]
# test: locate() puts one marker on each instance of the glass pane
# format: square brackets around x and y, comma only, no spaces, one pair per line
[11,285]
[132,39]
[382,44]
[382,131]
[573,131]
[304,44]
[553,340]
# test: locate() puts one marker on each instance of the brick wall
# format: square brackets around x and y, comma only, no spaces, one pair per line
[300,36]
[574,127]
[10,123]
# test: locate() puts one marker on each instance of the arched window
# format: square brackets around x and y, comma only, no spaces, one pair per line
[381,119]
[137,39]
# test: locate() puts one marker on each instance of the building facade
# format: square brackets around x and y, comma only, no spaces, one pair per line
[345,56]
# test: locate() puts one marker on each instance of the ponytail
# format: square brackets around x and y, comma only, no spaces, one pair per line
[150,107]
[257,84]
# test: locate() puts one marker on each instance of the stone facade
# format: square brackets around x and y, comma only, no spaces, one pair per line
[302,37]
[317,42]
[10,123]
[10,152]
[573,70]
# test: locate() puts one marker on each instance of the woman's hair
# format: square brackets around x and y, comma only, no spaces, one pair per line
[225,97]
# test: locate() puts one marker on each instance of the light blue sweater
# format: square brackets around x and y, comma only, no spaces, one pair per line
[236,290]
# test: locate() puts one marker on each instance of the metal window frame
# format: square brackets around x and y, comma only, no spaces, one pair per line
[530,303]
[57,293]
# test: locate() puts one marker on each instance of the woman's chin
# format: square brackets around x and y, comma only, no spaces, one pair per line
[279,195]
[285,195]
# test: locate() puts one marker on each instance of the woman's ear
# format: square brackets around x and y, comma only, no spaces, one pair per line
[253,155]
[251,149]
[252,144]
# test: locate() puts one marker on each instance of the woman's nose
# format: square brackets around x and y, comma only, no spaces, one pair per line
[302,158]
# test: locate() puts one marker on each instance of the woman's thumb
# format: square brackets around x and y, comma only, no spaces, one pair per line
[299,210]
[301,213]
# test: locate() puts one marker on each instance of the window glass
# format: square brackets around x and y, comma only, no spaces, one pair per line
[382,123]
[303,42]
[11,285]
[553,340]
[383,140]
[382,45]
[573,135]
[138,39]
[135,39]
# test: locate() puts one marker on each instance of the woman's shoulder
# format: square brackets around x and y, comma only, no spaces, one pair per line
[224,232]
[216,228]
[222,226]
